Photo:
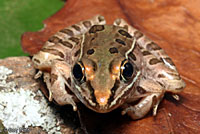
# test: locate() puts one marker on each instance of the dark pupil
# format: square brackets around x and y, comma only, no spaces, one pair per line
[128,70]
[77,72]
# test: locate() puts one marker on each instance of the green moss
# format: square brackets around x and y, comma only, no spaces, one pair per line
[19,16]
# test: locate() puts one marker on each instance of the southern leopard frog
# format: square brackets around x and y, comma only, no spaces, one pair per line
[106,67]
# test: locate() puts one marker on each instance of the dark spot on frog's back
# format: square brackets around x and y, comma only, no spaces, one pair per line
[66,44]
[154,61]
[101,18]
[124,33]
[53,51]
[132,56]
[74,39]
[87,24]
[113,50]
[90,51]
[92,39]
[138,34]
[120,41]
[153,46]
[145,53]
[54,39]
[77,53]
[126,27]
[67,31]
[77,28]
[96,28]
[36,60]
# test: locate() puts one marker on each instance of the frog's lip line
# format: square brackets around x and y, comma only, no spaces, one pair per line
[126,90]
[102,109]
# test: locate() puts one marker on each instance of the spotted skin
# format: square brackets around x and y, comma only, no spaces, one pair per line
[106,67]
[161,66]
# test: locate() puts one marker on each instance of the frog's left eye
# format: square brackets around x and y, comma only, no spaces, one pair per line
[127,70]
[78,72]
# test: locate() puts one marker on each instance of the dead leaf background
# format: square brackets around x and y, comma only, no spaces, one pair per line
[174,25]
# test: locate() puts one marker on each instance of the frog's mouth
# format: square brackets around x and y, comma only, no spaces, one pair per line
[103,102]
[96,100]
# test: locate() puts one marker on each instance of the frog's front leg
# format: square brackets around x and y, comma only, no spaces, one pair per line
[56,81]
[150,94]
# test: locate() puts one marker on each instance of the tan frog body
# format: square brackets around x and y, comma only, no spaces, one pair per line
[106,67]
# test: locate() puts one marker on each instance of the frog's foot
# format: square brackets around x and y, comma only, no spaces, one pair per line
[150,94]
[48,83]
[38,74]
[56,82]
[143,107]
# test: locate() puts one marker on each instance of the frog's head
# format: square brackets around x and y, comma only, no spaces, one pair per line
[105,73]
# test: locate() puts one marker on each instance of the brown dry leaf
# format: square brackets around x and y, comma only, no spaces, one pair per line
[174,25]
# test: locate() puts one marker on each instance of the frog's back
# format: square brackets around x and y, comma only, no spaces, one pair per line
[109,40]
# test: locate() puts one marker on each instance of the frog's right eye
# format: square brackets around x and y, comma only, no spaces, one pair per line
[127,70]
[79,72]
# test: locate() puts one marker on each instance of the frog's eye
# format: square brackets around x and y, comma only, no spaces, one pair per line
[78,72]
[127,70]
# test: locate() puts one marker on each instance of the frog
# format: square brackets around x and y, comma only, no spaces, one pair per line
[106,67]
